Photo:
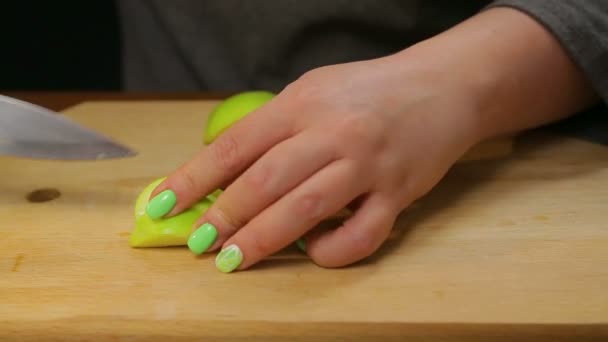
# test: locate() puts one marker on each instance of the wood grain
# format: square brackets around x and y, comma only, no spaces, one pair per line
[509,246]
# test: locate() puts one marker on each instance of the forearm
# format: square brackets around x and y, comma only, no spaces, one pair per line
[515,71]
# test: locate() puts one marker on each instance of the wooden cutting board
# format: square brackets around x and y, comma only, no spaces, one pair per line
[512,243]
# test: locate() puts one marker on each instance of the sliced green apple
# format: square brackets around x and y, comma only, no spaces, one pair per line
[175,231]
[164,232]
[232,110]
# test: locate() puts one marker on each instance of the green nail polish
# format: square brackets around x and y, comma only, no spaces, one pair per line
[229,259]
[301,243]
[162,204]
[202,238]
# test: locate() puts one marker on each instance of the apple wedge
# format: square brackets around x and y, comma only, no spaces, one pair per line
[232,110]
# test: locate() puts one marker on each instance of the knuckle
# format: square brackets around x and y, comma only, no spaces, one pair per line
[226,154]
[364,243]
[258,179]
[408,191]
[226,219]
[306,95]
[365,132]
[311,76]
[310,207]
[189,180]
[307,90]
[352,127]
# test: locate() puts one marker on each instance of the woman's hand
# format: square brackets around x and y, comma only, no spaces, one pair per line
[382,132]
[372,131]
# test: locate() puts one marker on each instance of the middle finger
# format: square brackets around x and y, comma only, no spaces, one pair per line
[276,173]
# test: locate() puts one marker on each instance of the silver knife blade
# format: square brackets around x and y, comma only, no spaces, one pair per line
[31,131]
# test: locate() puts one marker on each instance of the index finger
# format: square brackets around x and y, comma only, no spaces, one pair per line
[229,155]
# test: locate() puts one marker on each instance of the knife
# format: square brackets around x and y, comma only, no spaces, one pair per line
[31,131]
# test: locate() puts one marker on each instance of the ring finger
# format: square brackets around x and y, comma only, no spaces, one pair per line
[279,171]
[293,215]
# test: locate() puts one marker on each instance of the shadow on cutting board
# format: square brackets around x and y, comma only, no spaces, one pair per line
[465,177]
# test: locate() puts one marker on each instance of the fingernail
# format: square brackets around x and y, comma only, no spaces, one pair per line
[229,259]
[301,243]
[202,238]
[161,204]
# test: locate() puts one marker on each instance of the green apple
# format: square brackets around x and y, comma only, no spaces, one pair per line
[164,232]
[232,110]
[175,231]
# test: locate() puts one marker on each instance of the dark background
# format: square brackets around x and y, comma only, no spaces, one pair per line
[74,45]
[59,45]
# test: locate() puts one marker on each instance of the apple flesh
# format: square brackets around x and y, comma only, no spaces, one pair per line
[232,110]
[165,232]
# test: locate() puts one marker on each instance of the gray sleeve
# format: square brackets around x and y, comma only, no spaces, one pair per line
[581,26]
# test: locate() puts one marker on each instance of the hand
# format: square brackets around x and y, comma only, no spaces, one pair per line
[382,132]
[362,130]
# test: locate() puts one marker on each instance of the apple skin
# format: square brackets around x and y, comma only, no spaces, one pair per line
[164,232]
[175,231]
[232,110]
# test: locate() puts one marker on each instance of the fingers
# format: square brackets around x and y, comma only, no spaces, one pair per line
[279,171]
[220,162]
[293,215]
[360,235]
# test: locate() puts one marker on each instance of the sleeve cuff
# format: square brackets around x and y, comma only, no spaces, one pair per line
[579,29]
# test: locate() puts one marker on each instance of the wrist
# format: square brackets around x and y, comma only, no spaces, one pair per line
[454,80]
[507,68]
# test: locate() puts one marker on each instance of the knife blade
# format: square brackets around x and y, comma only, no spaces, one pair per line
[31,131]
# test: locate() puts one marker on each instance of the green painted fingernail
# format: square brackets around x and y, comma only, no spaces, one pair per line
[301,243]
[229,259]
[162,204]
[202,238]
